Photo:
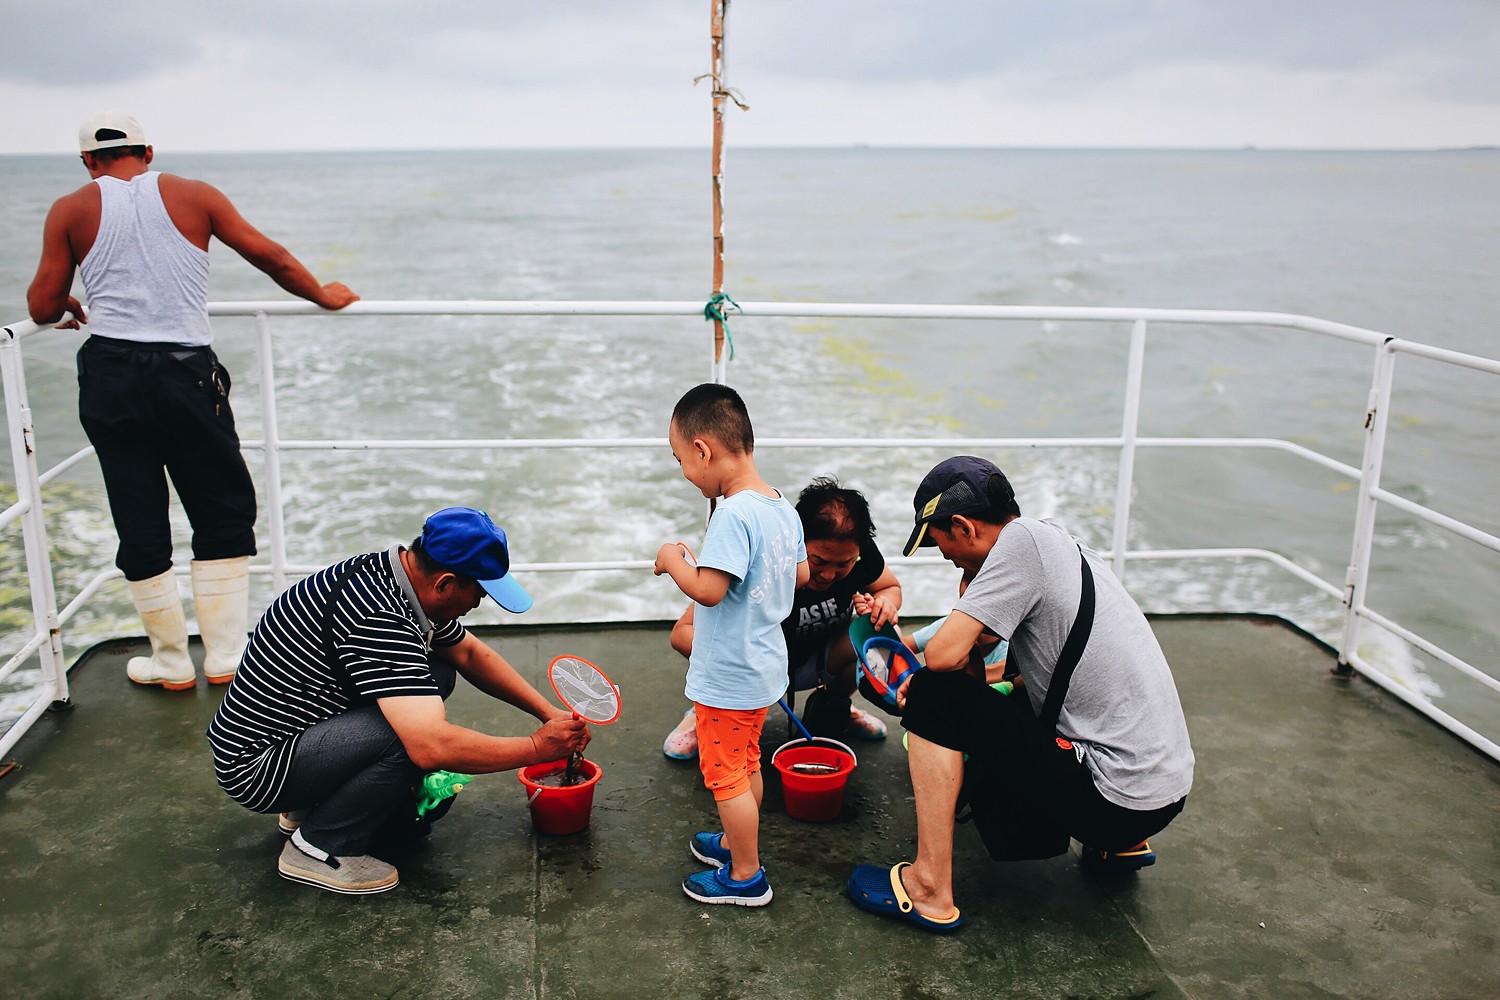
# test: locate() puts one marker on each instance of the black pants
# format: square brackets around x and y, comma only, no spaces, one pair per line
[353,777]
[153,410]
[962,713]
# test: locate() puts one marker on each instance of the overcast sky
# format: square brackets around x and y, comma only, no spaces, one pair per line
[378,74]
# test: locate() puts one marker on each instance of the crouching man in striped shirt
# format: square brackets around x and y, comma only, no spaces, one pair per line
[337,710]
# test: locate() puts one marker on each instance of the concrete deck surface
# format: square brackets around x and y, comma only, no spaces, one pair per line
[1336,844]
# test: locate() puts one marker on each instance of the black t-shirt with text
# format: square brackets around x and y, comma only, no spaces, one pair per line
[818,614]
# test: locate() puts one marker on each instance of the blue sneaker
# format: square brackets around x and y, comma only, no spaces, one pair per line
[709,848]
[715,886]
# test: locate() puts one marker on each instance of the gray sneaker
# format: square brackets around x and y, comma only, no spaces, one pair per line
[352,876]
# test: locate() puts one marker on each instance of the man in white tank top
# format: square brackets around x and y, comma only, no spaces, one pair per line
[152,396]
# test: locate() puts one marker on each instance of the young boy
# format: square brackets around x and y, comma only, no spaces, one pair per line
[752,561]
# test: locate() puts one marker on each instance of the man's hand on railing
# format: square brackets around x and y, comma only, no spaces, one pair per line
[336,295]
[73,318]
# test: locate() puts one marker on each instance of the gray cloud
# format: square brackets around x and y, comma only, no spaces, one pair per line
[1077,45]
[129,40]
[1445,48]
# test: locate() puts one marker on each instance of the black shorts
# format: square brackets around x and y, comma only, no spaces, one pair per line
[957,711]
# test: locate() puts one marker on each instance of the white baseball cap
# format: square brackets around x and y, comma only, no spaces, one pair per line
[108,129]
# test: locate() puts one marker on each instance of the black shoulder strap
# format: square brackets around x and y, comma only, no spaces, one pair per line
[330,650]
[1078,637]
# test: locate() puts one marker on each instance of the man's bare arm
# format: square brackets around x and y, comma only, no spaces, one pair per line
[433,743]
[482,666]
[953,645]
[225,222]
[49,298]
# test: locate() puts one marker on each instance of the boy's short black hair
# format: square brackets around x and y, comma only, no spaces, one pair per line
[830,511]
[715,411]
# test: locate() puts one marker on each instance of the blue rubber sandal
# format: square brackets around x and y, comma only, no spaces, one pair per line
[879,890]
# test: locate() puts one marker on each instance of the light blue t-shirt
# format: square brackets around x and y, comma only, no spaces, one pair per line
[739,652]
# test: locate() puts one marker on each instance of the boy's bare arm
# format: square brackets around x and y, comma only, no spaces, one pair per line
[705,586]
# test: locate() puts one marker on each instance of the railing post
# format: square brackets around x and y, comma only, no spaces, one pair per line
[33,521]
[1357,576]
[272,437]
[1129,429]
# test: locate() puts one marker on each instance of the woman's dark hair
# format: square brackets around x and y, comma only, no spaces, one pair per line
[831,511]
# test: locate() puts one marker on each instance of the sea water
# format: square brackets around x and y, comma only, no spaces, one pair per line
[1404,243]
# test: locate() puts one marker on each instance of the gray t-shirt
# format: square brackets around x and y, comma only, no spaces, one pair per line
[1121,709]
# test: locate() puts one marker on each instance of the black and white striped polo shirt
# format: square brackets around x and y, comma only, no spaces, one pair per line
[285,685]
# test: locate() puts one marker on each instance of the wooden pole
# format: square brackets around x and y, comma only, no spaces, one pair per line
[720,93]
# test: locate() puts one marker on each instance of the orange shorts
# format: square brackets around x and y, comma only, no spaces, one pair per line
[728,748]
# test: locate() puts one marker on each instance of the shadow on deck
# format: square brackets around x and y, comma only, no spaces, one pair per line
[1336,844]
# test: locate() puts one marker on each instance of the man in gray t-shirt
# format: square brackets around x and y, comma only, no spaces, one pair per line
[1125,763]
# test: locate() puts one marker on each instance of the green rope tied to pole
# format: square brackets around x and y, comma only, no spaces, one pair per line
[715,310]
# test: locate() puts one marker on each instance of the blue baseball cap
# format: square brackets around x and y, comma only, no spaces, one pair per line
[465,540]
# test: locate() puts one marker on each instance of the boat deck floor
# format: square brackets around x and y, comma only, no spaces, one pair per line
[1336,844]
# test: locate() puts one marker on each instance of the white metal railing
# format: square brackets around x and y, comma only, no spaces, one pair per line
[46,640]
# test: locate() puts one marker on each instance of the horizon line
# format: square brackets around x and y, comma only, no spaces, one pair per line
[788,147]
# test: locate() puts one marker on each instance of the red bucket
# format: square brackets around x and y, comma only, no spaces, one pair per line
[816,796]
[560,810]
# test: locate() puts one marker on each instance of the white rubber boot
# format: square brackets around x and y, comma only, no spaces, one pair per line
[221,599]
[160,607]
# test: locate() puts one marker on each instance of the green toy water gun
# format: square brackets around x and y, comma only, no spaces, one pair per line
[438,786]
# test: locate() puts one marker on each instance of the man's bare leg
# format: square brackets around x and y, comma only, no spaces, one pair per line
[937,774]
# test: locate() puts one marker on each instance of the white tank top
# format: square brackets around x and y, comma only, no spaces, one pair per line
[145,281]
